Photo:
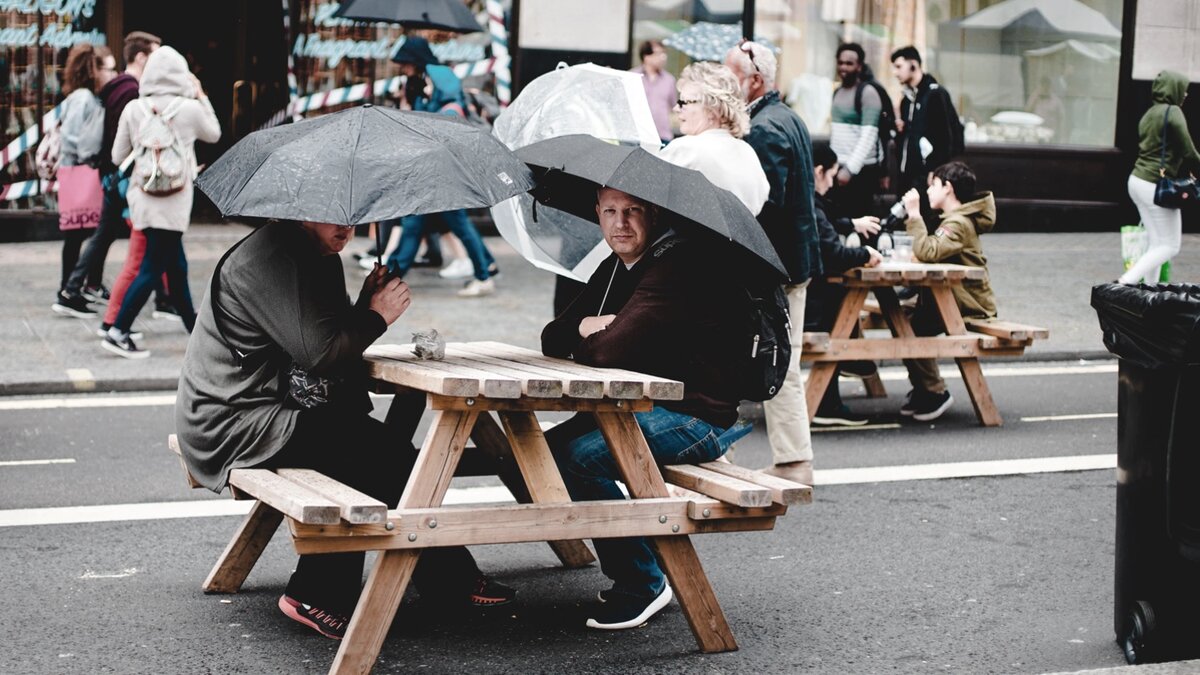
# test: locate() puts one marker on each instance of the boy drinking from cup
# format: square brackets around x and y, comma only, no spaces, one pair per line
[965,216]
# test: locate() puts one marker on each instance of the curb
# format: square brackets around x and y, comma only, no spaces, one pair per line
[64,387]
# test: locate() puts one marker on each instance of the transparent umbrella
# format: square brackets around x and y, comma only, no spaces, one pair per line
[706,41]
[582,99]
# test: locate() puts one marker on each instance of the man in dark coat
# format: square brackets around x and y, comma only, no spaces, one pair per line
[928,131]
[654,306]
[781,141]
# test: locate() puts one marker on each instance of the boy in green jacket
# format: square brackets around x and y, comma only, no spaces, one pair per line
[955,241]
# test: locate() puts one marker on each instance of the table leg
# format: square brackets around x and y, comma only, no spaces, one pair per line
[392,570]
[679,559]
[821,374]
[972,372]
[234,565]
[542,479]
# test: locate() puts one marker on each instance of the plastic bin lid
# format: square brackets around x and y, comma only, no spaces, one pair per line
[1154,326]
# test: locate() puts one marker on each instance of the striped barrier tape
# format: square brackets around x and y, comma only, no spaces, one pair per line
[27,188]
[28,139]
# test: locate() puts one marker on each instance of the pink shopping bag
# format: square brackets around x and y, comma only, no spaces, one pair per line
[79,197]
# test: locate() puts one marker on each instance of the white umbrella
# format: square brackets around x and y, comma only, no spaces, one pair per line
[582,99]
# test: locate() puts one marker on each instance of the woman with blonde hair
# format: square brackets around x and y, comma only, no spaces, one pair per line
[713,119]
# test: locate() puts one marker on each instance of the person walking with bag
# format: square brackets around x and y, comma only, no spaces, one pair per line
[161,129]
[1165,153]
[81,133]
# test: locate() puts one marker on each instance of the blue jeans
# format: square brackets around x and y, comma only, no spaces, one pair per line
[414,230]
[164,253]
[590,472]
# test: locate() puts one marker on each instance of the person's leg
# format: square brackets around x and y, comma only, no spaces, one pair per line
[1164,229]
[462,227]
[90,268]
[787,413]
[176,272]
[72,241]
[411,230]
[929,397]
[129,270]
[159,249]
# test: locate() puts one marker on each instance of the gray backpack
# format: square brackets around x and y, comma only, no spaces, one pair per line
[161,164]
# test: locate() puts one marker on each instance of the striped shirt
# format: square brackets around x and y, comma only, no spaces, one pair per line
[855,137]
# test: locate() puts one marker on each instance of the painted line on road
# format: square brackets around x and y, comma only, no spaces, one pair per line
[862,427]
[88,402]
[35,462]
[498,494]
[1066,418]
[897,374]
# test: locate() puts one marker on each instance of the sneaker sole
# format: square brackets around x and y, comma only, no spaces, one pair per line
[837,422]
[290,612]
[167,315]
[140,354]
[136,335]
[70,311]
[653,608]
[934,414]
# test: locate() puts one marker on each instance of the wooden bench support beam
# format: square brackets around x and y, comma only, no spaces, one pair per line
[294,500]
[783,491]
[717,485]
[354,506]
[247,545]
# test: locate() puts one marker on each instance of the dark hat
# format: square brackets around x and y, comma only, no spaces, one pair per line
[416,50]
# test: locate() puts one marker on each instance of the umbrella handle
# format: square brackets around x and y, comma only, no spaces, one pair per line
[378,243]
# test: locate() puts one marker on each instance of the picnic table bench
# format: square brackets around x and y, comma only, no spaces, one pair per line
[474,381]
[965,341]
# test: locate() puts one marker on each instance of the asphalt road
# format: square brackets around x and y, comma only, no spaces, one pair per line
[973,575]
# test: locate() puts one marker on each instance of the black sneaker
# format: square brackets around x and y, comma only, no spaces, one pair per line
[327,624]
[858,369]
[842,417]
[428,261]
[930,406]
[123,347]
[493,271]
[166,312]
[910,404]
[73,304]
[97,293]
[620,611]
[490,593]
[102,331]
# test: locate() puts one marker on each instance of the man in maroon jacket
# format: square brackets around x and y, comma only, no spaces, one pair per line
[115,96]
[655,306]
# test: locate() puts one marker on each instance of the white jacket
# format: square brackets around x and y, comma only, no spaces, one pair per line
[726,162]
[165,79]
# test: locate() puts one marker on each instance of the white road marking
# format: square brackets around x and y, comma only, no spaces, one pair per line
[35,462]
[498,494]
[1066,418]
[127,572]
[82,378]
[864,427]
[88,402]
[896,374]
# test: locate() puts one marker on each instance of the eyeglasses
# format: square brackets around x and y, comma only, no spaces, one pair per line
[679,102]
[744,47]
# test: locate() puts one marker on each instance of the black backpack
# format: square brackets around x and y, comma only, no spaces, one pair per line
[763,343]
[887,113]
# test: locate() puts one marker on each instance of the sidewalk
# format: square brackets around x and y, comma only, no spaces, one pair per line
[1041,279]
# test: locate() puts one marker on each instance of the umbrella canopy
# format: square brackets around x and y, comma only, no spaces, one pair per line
[569,169]
[580,99]
[449,15]
[705,41]
[362,165]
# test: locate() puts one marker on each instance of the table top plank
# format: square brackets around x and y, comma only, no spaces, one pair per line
[572,385]
[490,384]
[914,271]
[657,388]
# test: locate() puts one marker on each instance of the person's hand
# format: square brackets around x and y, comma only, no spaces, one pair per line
[899,125]
[197,87]
[912,203]
[375,279]
[391,299]
[866,225]
[875,259]
[595,324]
[843,176]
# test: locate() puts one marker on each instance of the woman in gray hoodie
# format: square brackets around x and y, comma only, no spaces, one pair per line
[167,89]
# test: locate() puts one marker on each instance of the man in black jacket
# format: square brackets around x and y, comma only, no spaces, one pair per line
[781,141]
[929,133]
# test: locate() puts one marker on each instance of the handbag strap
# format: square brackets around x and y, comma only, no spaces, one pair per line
[1162,157]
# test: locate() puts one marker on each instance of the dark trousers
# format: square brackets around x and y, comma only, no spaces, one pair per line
[375,458]
[164,254]
[90,267]
[857,198]
[923,374]
[72,241]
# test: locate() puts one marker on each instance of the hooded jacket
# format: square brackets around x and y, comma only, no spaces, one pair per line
[166,81]
[956,241]
[926,112]
[1181,158]
[115,96]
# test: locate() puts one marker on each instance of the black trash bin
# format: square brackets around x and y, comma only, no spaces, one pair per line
[1155,330]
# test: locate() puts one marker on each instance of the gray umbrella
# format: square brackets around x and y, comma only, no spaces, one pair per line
[363,165]
[570,168]
[451,15]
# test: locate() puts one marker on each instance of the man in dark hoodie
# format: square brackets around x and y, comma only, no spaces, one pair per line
[955,241]
[115,96]
[929,133]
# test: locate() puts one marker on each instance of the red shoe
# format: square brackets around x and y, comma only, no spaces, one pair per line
[490,593]
[329,625]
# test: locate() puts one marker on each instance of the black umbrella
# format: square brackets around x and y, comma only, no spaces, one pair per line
[450,15]
[568,170]
[362,165]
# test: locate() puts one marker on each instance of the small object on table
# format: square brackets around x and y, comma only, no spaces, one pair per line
[429,345]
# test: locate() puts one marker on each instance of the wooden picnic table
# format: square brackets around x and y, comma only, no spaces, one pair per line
[481,378]
[962,342]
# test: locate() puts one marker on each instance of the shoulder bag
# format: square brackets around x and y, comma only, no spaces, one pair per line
[1172,193]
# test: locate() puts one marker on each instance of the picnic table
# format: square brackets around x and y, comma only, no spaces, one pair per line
[966,341]
[473,382]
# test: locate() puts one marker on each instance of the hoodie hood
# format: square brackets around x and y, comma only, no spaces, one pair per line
[167,73]
[981,211]
[1169,87]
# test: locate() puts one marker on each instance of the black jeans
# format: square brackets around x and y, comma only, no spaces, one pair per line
[90,267]
[72,241]
[164,253]
[375,458]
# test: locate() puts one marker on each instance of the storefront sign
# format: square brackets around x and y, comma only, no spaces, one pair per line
[53,35]
[59,7]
